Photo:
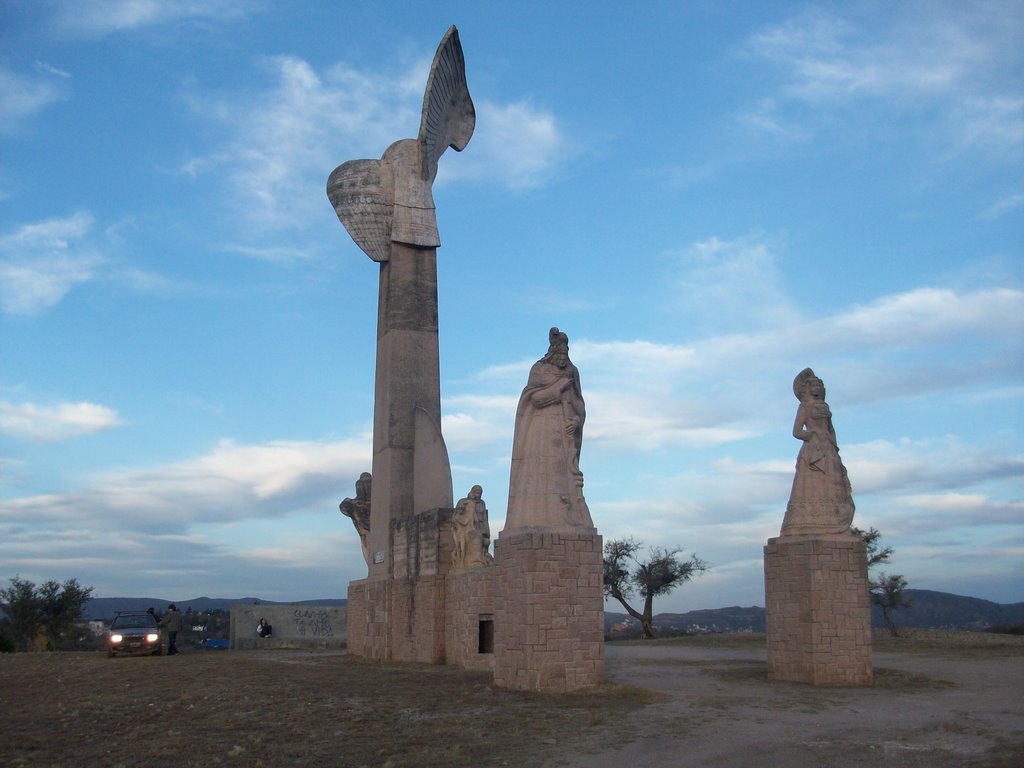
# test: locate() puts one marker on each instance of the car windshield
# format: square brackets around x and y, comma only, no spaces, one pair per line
[133,621]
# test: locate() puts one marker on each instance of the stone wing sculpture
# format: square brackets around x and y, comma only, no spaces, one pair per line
[380,201]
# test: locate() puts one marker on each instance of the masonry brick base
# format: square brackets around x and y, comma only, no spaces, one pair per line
[402,618]
[817,611]
[469,607]
[548,611]
[369,611]
[536,617]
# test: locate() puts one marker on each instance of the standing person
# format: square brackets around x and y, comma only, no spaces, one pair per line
[172,622]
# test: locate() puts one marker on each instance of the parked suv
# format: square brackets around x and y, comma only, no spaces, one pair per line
[134,632]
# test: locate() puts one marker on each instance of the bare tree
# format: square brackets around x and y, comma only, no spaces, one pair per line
[873,539]
[884,590]
[625,574]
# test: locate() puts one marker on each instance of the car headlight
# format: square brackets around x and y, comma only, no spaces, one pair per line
[152,637]
[116,638]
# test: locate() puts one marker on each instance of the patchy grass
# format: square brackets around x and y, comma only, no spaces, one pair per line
[938,642]
[291,708]
[715,640]
[885,679]
[935,642]
[286,708]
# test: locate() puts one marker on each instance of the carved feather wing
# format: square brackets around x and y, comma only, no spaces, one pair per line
[359,194]
[448,117]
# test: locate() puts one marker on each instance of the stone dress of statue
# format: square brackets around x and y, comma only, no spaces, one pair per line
[821,501]
[358,509]
[545,483]
[471,532]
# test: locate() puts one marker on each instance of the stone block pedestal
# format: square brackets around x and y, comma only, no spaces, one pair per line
[469,625]
[817,610]
[402,617]
[548,611]
[369,619]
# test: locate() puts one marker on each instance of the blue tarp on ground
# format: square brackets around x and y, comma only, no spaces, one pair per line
[215,644]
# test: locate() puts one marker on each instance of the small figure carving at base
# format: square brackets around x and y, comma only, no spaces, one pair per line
[358,509]
[821,501]
[471,532]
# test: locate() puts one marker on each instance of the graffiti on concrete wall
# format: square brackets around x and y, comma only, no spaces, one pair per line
[312,623]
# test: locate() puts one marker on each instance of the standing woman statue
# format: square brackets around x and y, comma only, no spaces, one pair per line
[821,501]
[545,484]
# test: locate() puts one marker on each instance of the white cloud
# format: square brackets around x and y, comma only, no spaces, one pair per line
[29,288]
[994,124]
[624,418]
[41,262]
[951,64]
[730,284]
[690,443]
[1004,205]
[219,520]
[647,396]
[471,422]
[279,145]
[828,57]
[57,422]
[232,482]
[930,315]
[279,254]
[968,509]
[939,464]
[99,17]
[515,145]
[22,97]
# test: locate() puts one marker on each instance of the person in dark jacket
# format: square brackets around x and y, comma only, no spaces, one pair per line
[172,623]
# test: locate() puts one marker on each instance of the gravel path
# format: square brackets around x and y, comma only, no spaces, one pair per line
[721,710]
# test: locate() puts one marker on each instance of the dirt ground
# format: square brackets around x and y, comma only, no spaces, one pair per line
[940,700]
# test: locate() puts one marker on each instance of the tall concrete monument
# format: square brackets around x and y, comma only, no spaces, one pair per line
[817,611]
[532,613]
[387,206]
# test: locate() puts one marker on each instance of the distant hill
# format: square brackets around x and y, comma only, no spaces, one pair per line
[928,610]
[107,607]
[942,610]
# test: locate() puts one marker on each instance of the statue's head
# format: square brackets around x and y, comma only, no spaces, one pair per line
[558,348]
[808,386]
[476,492]
[363,485]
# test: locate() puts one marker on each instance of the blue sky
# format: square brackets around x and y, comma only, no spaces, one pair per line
[707,197]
